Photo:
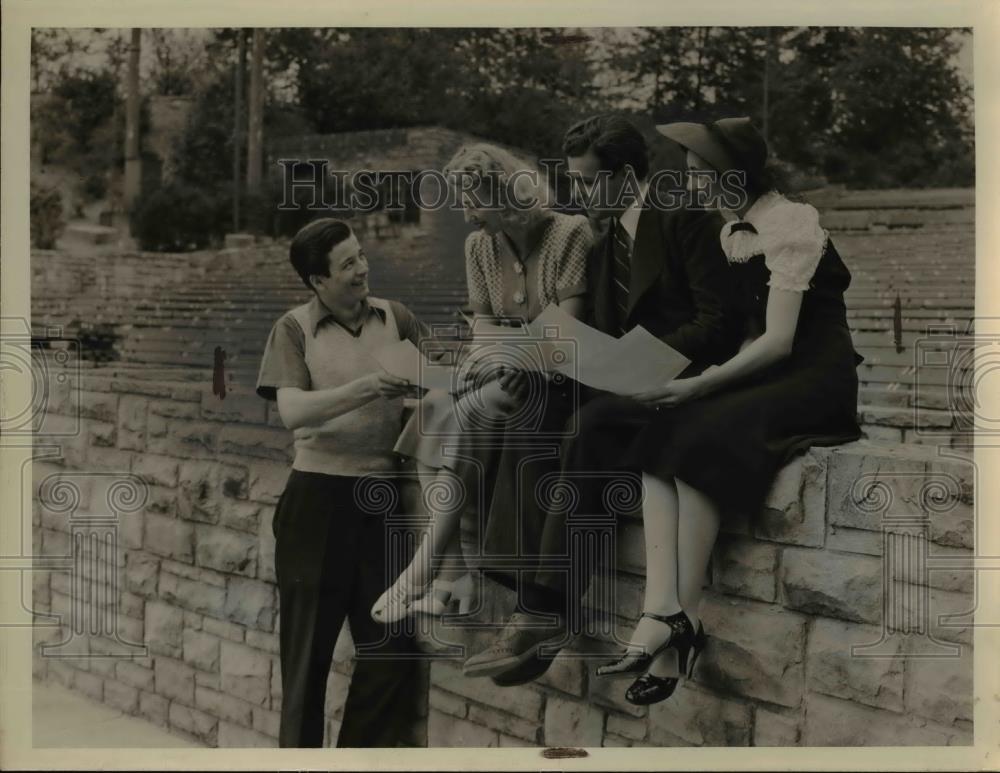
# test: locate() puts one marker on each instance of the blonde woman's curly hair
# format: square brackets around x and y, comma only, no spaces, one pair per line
[498,178]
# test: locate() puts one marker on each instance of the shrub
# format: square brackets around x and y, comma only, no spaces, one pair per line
[88,100]
[259,212]
[98,340]
[176,218]
[46,216]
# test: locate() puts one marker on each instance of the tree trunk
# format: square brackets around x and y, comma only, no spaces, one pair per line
[702,36]
[255,139]
[766,101]
[241,66]
[133,161]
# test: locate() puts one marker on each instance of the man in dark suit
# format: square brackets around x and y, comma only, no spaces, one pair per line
[659,265]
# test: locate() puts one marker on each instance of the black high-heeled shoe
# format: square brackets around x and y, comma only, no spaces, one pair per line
[649,689]
[681,638]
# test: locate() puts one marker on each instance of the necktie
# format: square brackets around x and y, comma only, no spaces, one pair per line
[621,270]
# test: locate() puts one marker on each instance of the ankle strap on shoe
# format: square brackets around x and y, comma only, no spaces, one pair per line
[678,618]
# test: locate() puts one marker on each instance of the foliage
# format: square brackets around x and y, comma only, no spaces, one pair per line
[78,106]
[204,152]
[517,86]
[176,59]
[81,125]
[176,218]
[868,106]
[46,217]
[865,106]
[203,155]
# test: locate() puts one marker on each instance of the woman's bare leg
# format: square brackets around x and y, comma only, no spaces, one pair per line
[697,529]
[445,490]
[696,534]
[443,494]
[660,519]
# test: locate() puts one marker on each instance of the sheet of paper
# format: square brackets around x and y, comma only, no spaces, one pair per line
[403,360]
[638,362]
[523,348]
[586,344]
[634,363]
[557,341]
[566,326]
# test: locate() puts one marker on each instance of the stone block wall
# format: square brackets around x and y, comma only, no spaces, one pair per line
[815,639]
[190,573]
[416,148]
[824,611]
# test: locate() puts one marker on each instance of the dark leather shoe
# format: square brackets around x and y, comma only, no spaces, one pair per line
[649,689]
[679,634]
[521,640]
[527,672]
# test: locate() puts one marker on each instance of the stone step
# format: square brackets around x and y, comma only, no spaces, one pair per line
[916,320]
[911,303]
[855,220]
[910,357]
[895,281]
[936,198]
[906,417]
[92,234]
[902,395]
[228,306]
[937,378]
[877,339]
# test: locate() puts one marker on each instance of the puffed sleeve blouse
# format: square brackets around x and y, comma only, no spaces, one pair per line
[787,233]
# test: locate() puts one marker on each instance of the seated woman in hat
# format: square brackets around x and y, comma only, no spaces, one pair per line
[521,257]
[718,439]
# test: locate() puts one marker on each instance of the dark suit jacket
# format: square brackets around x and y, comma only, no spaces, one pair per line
[680,288]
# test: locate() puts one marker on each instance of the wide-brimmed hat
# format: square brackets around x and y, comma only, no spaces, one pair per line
[729,143]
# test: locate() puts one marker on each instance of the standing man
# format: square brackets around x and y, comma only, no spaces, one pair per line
[657,266]
[330,549]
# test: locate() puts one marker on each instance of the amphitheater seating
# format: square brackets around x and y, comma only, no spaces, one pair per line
[913,249]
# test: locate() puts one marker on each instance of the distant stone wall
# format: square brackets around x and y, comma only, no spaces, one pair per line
[378,149]
[793,589]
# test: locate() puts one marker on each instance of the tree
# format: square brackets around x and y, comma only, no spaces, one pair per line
[517,86]
[523,87]
[56,53]
[867,106]
[877,106]
[255,135]
[175,59]
[133,161]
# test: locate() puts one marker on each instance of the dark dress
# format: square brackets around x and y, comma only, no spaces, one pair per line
[731,444]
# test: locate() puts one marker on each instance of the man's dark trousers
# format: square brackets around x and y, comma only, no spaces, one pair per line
[330,564]
[606,426]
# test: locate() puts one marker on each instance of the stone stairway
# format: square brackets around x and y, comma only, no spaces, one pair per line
[915,251]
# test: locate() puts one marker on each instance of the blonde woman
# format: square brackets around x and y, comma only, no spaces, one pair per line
[521,257]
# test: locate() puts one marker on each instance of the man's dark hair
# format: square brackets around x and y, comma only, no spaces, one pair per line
[614,140]
[310,249]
